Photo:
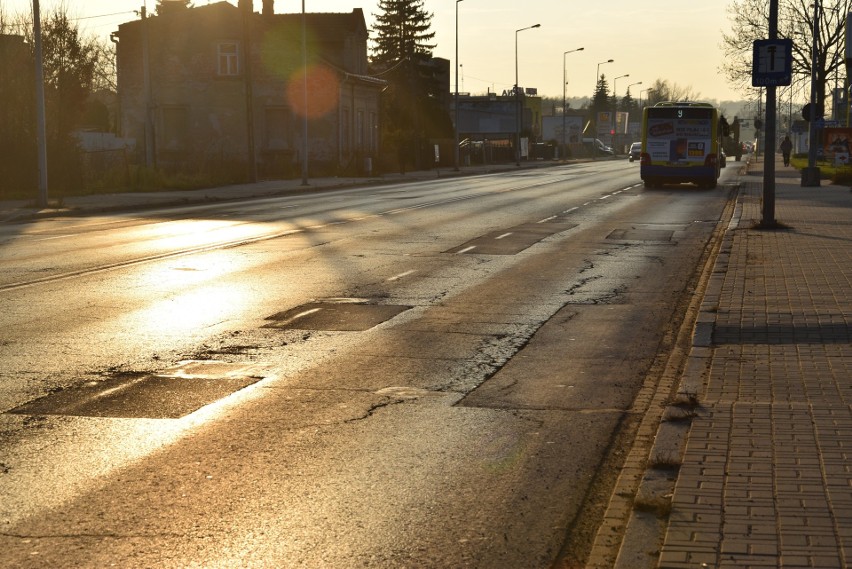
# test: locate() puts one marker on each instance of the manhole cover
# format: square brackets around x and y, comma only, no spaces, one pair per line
[335,316]
[171,394]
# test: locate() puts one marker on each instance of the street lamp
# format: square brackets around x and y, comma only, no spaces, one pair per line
[564,84]
[456,106]
[615,111]
[518,100]
[598,73]
[628,90]
[649,89]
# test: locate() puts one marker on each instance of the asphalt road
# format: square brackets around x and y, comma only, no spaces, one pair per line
[435,374]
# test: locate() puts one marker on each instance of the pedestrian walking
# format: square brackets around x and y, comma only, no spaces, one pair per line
[786,148]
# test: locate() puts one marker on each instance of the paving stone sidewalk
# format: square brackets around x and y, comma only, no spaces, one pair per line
[766,478]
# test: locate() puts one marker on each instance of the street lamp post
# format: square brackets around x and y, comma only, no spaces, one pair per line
[518,114]
[456,97]
[598,72]
[564,94]
[615,111]
[595,92]
[649,89]
[628,90]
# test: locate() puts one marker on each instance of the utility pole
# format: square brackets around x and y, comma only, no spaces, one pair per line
[768,214]
[246,6]
[146,88]
[41,126]
[304,98]
[811,174]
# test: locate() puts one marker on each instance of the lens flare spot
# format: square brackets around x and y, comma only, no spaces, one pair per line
[323,89]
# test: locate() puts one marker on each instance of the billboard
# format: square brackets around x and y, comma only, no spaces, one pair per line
[835,143]
[552,128]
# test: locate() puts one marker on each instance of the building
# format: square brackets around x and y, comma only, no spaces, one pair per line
[219,86]
[490,122]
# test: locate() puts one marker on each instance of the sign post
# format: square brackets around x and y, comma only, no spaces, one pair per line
[772,66]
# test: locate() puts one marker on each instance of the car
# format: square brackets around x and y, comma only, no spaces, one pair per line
[598,147]
[635,151]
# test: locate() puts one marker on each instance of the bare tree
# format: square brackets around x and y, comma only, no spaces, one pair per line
[663,90]
[750,21]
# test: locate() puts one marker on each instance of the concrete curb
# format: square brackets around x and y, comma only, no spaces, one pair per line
[641,500]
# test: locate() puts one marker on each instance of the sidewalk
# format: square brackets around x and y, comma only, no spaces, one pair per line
[766,476]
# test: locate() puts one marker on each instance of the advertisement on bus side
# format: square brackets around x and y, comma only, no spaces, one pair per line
[679,141]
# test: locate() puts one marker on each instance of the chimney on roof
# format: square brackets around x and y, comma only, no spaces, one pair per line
[268,7]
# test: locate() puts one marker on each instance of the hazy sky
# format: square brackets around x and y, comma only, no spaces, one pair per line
[675,40]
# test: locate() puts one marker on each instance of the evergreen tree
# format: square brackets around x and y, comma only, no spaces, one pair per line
[167,7]
[629,105]
[413,107]
[600,100]
[402,32]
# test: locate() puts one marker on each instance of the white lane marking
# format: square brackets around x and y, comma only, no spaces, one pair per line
[604,197]
[401,275]
[570,210]
[504,235]
[546,219]
[466,249]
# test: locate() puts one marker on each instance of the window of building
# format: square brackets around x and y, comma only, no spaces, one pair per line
[229,60]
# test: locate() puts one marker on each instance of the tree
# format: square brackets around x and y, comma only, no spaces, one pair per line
[600,100]
[402,32]
[413,107]
[662,90]
[168,7]
[629,105]
[18,165]
[750,21]
[72,66]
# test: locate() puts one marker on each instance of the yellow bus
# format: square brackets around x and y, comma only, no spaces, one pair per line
[680,143]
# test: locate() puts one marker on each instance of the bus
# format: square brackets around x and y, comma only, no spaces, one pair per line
[681,143]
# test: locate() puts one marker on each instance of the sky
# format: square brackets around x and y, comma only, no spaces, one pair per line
[675,40]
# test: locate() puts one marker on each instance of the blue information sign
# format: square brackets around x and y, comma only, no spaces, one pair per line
[772,63]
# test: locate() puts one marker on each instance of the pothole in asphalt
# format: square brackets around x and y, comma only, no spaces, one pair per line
[336,314]
[405,392]
[170,394]
[640,234]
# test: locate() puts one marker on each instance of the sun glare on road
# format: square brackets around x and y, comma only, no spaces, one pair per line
[184,297]
[192,234]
